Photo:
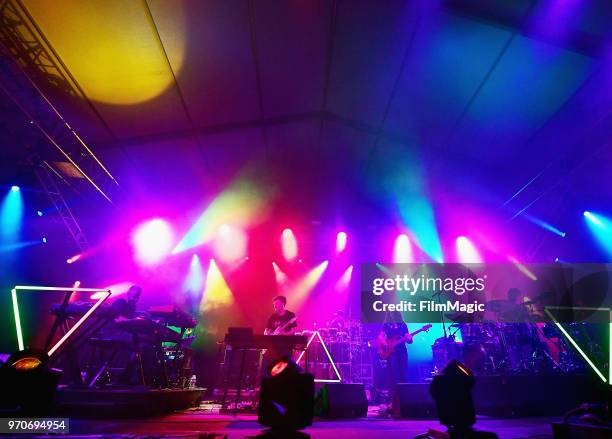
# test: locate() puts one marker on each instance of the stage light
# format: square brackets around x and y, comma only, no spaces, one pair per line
[74,258]
[17,245]
[216,291]
[27,363]
[452,391]
[601,228]
[118,289]
[289,245]
[230,244]
[44,240]
[120,70]
[300,290]
[522,268]
[402,251]
[341,242]
[152,241]
[28,383]
[281,277]
[11,214]
[278,368]
[194,282]
[39,213]
[286,399]
[242,204]
[345,279]
[466,251]
[544,225]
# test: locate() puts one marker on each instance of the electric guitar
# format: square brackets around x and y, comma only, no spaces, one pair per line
[281,329]
[386,349]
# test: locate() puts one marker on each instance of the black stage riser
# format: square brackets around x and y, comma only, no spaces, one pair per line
[508,397]
[124,403]
[337,401]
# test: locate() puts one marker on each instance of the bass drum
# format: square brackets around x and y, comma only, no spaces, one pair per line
[445,350]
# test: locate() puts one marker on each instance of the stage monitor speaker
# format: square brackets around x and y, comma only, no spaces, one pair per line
[413,401]
[286,401]
[342,401]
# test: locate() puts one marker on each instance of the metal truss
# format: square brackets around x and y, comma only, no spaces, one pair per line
[47,177]
[27,60]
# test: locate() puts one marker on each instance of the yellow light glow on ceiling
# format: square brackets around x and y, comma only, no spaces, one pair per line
[111,47]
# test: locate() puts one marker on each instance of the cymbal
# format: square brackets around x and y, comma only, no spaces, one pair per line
[499,306]
[460,317]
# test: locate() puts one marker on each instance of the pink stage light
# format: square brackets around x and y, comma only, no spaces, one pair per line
[289,245]
[402,251]
[341,242]
[281,277]
[345,279]
[466,251]
[230,243]
[117,289]
[73,259]
[152,241]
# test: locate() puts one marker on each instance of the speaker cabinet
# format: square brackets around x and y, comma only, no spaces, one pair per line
[413,401]
[342,401]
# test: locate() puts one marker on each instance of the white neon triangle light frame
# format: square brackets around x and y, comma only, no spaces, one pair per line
[331,360]
[575,344]
[71,331]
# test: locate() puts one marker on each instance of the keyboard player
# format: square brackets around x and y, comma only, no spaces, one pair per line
[281,322]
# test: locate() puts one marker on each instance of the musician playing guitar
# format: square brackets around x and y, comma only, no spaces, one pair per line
[283,321]
[392,341]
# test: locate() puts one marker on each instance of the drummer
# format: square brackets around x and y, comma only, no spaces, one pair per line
[516,311]
[339,321]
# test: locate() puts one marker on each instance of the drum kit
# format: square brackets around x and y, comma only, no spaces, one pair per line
[513,341]
[340,352]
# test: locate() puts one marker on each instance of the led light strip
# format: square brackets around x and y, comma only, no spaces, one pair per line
[33,288]
[331,360]
[17,320]
[71,331]
[571,340]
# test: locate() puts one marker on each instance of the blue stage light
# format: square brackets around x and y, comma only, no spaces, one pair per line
[39,213]
[601,227]
[44,240]
[544,225]
[11,214]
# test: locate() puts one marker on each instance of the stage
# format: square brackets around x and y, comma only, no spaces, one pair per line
[192,423]
[222,216]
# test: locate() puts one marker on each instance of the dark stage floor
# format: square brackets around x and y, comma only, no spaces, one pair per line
[190,424]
